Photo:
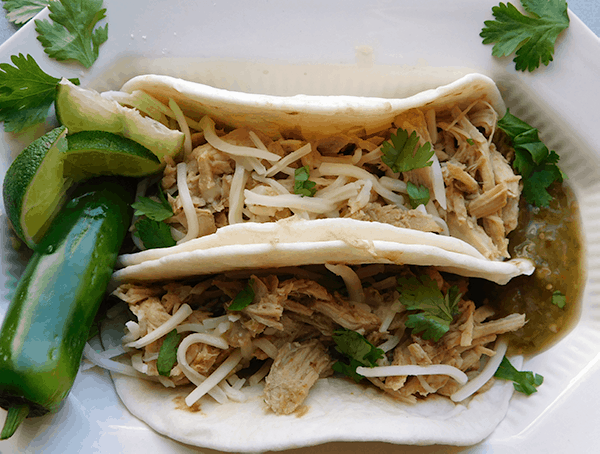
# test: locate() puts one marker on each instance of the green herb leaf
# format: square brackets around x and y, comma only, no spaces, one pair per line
[533,160]
[157,211]
[532,36]
[167,356]
[524,382]
[244,298]
[20,11]
[559,299]
[417,195]
[400,155]
[438,310]
[358,350]
[26,93]
[154,234]
[302,185]
[470,141]
[72,34]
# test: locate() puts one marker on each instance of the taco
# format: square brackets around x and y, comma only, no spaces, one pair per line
[303,253]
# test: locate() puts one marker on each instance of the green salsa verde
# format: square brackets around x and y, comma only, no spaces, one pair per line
[551,237]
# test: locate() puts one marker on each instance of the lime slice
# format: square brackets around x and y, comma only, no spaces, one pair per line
[93,153]
[80,109]
[34,187]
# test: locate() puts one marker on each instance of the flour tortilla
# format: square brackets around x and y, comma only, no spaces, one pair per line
[336,409]
[293,242]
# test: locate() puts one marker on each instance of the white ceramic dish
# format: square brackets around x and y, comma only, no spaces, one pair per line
[382,49]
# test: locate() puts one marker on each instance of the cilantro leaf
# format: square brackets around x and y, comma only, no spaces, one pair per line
[559,299]
[72,34]
[26,93]
[438,310]
[244,298]
[302,185]
[157,211]
[524,382]
[154,234]
[533,160]
[167,356]
[417,195]
[400,155]
[20,11]
[358,350]
[532,36]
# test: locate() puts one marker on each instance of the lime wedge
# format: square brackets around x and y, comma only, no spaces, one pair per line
[93,153]
[34,187]
[81,109]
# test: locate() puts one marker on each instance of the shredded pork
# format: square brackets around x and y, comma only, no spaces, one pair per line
[473,190]
[289,325]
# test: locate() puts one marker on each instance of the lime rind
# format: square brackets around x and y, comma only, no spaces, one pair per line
[35,188]
[81,109]
[93,153]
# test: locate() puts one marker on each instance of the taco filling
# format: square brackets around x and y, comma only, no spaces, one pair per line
[293,326]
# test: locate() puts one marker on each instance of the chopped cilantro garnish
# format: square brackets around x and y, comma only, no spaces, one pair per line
[533,160]
[154,234]
[302,185]
[417,195]
[532,37]
[167,356]
[470,141]
[26,93]
[72,34]
[20,11]
[244,298]
[437,310]
[524,382]
[400,155]
[358,350]
[559,299]
[157,211]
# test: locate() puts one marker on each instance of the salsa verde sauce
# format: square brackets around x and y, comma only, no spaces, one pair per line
[551,237]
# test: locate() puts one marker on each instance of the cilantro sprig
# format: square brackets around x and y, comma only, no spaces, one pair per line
[244,298]
[302,185]
[167,356]
[72,33]
[21,11]
[524,381]
[400,155]
[437,310]
[26,93]
[531,36]
[533,160]
[417,195]
[358,350]
[149,228]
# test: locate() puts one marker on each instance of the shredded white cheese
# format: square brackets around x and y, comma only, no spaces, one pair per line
[182,313]
[208,126]
[236,194]
[288,159]
[414,370]
[183,126]
[266,346]
[188,205]
[485,375]
[215,378]
[351,280]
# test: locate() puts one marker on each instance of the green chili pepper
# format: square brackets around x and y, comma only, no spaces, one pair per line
[48,321]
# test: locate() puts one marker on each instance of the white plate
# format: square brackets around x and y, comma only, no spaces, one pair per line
[384,48]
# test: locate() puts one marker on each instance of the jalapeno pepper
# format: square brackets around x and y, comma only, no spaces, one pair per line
[48,321]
